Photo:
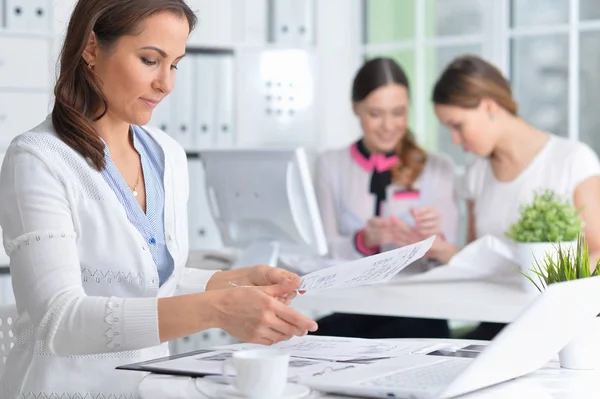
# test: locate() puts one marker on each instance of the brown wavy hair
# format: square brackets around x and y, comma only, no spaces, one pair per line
[79,101]
[376,73]
[469,79]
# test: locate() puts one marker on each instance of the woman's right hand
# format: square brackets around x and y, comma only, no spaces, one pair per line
[253,314]
[427,220]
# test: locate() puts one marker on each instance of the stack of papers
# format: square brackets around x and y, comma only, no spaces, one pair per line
[211,363]
[309,355]
[338,348]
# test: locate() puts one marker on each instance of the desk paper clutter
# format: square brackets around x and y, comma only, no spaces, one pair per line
[374,269]
[339,349]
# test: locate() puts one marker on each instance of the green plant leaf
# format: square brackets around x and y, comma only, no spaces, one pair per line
[567,264]
[548,218]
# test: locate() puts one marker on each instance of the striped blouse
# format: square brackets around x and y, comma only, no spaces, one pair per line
[150,224]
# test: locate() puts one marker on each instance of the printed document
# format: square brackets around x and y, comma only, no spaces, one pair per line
[378,268]
[338,348]
[309,356]
[211,363]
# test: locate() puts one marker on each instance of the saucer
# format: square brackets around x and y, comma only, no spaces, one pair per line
[292,391]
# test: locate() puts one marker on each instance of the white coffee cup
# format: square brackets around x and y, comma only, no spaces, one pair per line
[260,373]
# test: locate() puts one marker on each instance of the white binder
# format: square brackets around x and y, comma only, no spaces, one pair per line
[3,257]
[225,126]
[28,15]
[253,23]
[39,15]
[206,76]
[161,116]
[183,105]
[292,22]
[203,232]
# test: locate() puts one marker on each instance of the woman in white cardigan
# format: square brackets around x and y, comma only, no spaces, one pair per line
[95,223]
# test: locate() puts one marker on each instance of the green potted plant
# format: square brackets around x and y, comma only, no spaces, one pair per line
[572,263]
[549,220]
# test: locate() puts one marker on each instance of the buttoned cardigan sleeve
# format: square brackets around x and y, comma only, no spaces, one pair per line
[40,239]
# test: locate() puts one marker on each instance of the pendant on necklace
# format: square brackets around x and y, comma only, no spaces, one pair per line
[135,193]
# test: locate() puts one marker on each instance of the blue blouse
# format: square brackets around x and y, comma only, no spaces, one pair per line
[150,224]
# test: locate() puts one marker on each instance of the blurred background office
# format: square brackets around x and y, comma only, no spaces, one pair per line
[277,73]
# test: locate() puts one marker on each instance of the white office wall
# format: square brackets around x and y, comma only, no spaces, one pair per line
[339,55]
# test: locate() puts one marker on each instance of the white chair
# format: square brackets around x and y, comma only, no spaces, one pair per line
[8,316]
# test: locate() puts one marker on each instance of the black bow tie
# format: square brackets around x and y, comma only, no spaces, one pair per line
[380,179]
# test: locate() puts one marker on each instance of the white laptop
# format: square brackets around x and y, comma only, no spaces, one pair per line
[523,346]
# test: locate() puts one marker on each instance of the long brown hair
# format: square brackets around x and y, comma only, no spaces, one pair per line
[469,79]
[376,73]
[79,100]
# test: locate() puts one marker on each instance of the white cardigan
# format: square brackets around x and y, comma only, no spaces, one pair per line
[85,283]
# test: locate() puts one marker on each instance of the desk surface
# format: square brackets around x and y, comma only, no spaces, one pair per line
[550,382]
[442,293]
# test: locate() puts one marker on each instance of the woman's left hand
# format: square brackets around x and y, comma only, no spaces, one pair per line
[258,276]
[427,221]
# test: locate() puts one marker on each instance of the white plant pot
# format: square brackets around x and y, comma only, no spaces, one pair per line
[583,352]
[530,252]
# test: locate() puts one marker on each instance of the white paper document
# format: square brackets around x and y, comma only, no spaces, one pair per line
[488,259]
[211,363]
[486,256]
[337,348]
[370,270]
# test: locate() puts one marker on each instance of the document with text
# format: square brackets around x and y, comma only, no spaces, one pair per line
[211,363]
[337,348]
[309,355]
[370,270]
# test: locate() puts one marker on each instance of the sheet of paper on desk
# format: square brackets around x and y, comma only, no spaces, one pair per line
[370,270]
[211,363]
[487,255]
[338,348]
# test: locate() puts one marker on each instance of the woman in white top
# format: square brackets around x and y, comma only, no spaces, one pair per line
[95,222]
[383,192]
[515,159]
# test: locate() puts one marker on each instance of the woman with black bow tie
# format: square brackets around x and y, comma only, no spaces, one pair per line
[385,192]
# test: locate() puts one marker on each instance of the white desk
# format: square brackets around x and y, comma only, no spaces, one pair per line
[441,293]
[550,382]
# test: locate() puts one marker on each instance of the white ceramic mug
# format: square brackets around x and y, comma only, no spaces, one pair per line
[259,373]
